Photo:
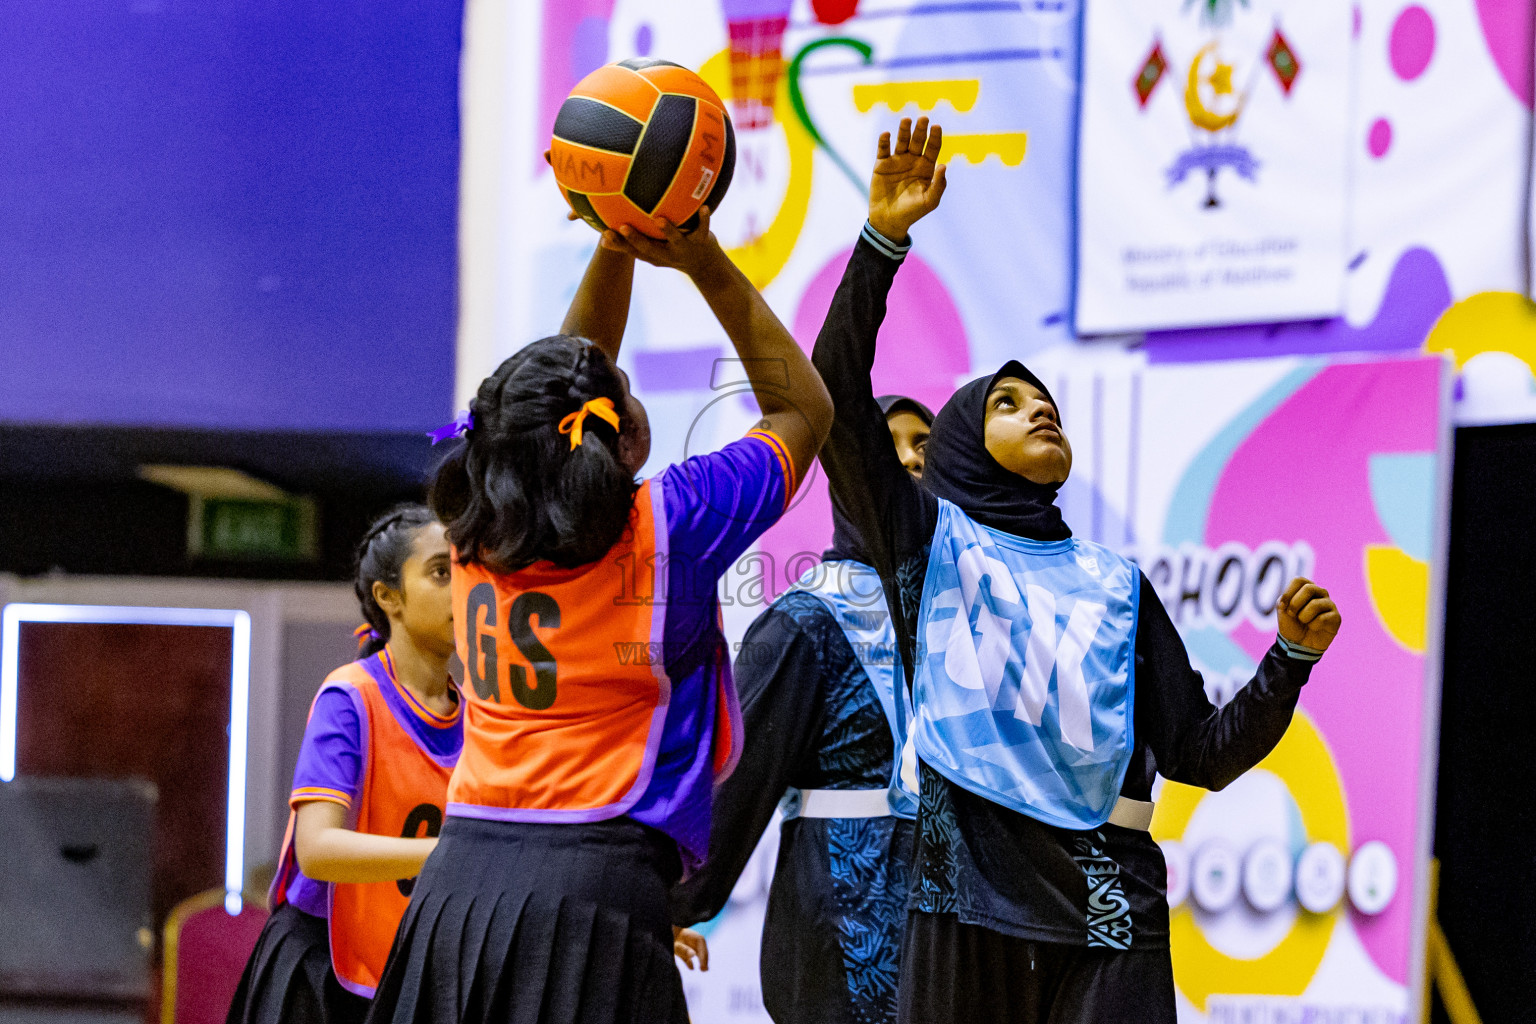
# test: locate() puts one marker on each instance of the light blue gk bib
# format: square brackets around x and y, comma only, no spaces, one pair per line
[852,593]
[1026,670]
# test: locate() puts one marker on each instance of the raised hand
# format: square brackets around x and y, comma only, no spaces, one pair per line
[908,181]
[1307,615]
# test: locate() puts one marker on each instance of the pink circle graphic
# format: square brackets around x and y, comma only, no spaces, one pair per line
[1507,30]
[1380,138]
[1412,43]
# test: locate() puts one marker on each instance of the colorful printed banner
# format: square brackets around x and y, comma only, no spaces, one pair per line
[1212,166]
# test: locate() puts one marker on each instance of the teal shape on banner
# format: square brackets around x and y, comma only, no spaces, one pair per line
[1191,503]
[1402,485]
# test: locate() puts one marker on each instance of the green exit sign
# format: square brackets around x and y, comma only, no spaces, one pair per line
[245,529]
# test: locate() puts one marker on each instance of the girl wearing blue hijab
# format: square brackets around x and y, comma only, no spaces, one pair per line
[1048,683]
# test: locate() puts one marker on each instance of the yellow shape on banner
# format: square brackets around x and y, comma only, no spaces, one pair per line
[1303,762]
[1006,146]
[763,257]
[1220,80]
[1399,586]
[1486,322]
[960,92]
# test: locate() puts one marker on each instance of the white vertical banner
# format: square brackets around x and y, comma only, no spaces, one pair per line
[1212,164]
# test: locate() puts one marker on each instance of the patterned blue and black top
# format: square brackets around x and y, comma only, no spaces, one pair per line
[831,940]
[991,866]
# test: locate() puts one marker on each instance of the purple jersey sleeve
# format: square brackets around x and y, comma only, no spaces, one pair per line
[331,757]
[718,504]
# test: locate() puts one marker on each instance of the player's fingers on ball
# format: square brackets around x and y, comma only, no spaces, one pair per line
[704,214]
[668,230]
[615,243]
[643,245]
[903,135]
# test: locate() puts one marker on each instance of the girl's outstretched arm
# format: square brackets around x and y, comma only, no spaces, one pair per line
[893,515]
[1198,744]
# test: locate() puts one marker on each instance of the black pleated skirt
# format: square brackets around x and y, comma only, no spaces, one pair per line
[289,980]
[517,923]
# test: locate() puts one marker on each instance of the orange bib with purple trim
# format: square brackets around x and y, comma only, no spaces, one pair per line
[566,681]
[402,793]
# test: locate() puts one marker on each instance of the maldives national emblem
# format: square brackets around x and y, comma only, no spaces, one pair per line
[1217,86]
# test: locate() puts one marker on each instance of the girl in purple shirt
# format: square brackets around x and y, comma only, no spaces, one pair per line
[384,733]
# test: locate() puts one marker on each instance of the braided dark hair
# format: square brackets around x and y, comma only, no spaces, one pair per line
[381,555]
[515,492]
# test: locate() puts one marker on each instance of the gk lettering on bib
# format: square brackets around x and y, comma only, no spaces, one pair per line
[1026,665]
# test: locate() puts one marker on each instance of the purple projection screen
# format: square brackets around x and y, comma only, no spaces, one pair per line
[229,215]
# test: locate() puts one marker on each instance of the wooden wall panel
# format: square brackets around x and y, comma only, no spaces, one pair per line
[145,701]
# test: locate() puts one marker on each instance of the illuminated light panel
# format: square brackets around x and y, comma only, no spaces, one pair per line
[238,622]
[960,93]
[1006,146]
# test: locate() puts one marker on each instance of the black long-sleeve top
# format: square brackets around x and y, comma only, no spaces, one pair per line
[992,866]
[832,934]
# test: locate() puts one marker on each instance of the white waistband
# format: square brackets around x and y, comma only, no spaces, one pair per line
[875,803]
[1130,813]
[844,803]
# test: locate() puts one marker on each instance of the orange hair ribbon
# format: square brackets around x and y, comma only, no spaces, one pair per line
[602,408]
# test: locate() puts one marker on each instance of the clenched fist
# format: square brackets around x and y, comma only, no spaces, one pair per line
[1308,616]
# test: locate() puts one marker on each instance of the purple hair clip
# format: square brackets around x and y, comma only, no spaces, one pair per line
[458,428]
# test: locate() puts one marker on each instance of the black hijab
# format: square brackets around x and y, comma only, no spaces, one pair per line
[960,469]
[845,539]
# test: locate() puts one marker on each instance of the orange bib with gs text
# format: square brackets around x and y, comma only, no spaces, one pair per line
[565,682]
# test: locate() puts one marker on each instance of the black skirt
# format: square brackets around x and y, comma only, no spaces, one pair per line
[289,980]
[517,923]
[957,973]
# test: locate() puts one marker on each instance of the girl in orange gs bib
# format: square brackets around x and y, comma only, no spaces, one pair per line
[600,705]
[369,790]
